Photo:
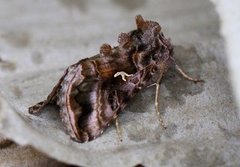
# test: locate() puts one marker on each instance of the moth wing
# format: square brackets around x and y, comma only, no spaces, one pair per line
[35,109]
[85,108]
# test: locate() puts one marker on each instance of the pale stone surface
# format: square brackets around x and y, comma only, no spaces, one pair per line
[13,155]
[230,15]
[40,39]
[24,156]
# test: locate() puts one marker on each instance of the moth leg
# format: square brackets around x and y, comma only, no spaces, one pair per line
[187,76]
[157,105]
[123,75]
[119,132]
[154,84]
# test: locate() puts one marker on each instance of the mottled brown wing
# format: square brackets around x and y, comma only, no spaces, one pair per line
[84,106]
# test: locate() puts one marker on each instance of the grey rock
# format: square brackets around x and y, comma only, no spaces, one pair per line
[202,119]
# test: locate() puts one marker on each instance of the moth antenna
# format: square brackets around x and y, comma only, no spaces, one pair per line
[179,69]
[119,132]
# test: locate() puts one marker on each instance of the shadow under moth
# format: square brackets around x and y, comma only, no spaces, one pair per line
[92,92]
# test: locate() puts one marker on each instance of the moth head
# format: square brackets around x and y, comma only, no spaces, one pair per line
[149,31]
[145,25]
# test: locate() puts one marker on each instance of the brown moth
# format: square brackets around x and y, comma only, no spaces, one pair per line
[92,92]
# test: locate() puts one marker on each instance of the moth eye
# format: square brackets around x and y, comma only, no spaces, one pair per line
[154,69]
[154,57]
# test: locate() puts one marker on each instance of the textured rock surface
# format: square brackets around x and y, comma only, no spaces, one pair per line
[230,16]
[12,155]
[38,40]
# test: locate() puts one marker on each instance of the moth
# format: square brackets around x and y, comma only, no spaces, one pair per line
[91,93]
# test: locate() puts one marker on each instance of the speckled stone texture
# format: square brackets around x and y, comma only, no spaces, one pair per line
[13,155]
[230,15]
[38,40]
